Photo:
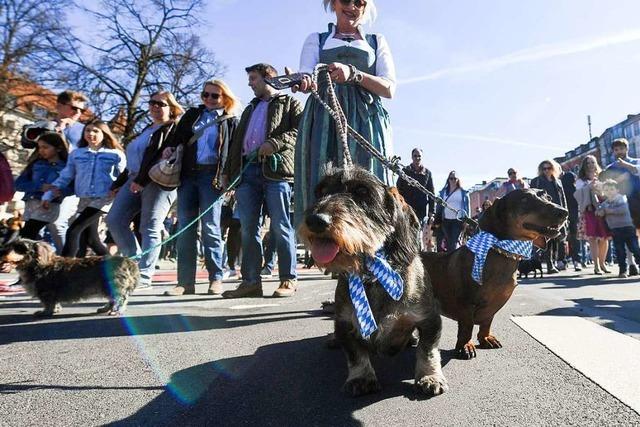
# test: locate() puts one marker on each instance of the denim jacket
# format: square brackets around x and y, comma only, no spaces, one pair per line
[92,171]
[41,172]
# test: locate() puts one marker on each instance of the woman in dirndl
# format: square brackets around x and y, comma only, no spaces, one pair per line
[362,68]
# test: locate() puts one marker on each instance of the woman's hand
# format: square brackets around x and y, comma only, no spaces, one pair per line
[167,152]
[305,86]
[339,73]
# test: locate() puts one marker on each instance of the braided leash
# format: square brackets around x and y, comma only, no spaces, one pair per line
[344,131]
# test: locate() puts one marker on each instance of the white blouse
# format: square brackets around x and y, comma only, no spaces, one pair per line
[455,200]
[385,67]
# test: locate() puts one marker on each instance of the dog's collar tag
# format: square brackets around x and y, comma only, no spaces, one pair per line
[483,241]
[391,282]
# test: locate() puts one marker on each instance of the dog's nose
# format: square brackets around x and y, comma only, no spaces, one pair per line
[318,222]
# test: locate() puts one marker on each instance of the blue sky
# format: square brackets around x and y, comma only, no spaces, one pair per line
[485,85]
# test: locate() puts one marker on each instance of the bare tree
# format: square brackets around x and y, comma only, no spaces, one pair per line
[27,29]
[142,46]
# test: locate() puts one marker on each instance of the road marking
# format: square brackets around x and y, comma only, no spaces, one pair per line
[248,306]
[608,358]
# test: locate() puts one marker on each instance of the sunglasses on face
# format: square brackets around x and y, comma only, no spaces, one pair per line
[452,178]
[547,168]
[357,3]
[416,156]
[214,96]
[158,104]
[76,109]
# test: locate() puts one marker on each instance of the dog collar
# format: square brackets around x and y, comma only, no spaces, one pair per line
[391,282]
[483,241]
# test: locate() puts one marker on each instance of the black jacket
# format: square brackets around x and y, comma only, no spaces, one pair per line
[184,132]
[414,197]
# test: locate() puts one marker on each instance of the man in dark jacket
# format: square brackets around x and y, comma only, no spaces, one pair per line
[568,180]
[414,197]
[264,142]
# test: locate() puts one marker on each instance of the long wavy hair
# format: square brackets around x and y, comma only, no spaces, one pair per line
[175,108]
[229,99]
[555,168]
[582,173]
[109,141]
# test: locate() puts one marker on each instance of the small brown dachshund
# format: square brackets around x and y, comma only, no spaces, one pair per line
[520,215]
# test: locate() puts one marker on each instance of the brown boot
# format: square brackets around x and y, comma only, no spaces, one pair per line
[245,290]
[181,290]
[287,288]
[215,287]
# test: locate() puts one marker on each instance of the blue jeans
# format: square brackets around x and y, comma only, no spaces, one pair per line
[625,236]
[153,204]
[452,228]
[254,189]
[195,195]
[58,228]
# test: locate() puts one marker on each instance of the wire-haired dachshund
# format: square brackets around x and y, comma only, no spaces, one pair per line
[520,215]
[354,220]
[54,279]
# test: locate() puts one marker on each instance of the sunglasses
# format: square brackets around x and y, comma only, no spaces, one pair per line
[206,95]
[360,4]
[76,109]
[547,168]
[416,156]
[159,104]
[452,178]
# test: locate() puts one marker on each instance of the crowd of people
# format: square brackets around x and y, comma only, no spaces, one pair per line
[603,206]
[80,176]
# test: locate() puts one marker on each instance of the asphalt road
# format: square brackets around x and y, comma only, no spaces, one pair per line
[201,360]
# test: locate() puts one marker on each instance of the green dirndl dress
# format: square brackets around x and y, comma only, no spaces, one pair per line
[318,144]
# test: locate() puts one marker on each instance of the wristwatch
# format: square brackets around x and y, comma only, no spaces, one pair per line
[355,75]
[358,76]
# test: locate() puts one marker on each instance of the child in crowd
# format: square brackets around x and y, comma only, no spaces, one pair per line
[615,211]
[93,167]
[43,168]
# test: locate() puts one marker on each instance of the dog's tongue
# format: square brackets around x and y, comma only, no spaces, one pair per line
[324,250]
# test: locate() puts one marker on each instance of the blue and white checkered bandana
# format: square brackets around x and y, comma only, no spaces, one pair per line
[390,280]
[483,241]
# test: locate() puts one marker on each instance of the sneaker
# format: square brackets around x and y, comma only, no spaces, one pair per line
[265,273]
[232,273]
[181,290]
[143,286]
[552,270]
[287,288]
[623,275]
[245,290]
[633,270]
[577,267]
[560,265]
[225,274]
[215,287]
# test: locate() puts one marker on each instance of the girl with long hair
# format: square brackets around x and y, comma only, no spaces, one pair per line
[92,167]
[43,168]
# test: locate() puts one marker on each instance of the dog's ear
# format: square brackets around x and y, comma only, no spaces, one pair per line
[493,220]
[44,253]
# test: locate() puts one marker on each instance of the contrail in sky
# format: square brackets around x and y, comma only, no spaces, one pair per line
[532,54]
[481,138]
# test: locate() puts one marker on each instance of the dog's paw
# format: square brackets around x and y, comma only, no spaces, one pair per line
[468,351]
[361,386]
[489,342]
[432,385]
